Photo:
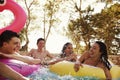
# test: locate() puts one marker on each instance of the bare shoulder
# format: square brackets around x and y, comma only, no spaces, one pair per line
[33,50]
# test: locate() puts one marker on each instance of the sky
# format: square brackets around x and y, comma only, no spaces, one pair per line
[56,40]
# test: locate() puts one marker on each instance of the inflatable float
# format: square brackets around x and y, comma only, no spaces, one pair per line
[21,67]
[19,15]
[66,68]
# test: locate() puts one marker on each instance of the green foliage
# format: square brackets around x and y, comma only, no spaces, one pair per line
[103,26]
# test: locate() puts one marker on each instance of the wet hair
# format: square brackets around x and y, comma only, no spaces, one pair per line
[6,36]
[104,55]
[40,39]
[64,48]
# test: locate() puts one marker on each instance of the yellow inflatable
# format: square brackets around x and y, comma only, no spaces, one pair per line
[66,68]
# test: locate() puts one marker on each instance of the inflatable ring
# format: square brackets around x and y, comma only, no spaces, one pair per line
[20,67]
[19,14]
[66,68]
[2,2]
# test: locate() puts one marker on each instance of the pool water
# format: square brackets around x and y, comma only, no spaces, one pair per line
[45,74]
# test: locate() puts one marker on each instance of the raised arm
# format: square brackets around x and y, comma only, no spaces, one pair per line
[79,61]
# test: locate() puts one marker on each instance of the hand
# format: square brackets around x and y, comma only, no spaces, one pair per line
[51,63]
[68,58]
[55,61]
[76,66]
[42,62]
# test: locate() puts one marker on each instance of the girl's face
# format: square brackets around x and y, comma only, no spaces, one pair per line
[95,49]
[69,49]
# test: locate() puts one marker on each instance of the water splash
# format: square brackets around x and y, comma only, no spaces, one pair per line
[45,74]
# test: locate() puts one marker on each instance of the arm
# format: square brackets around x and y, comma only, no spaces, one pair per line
[27,59]
[55,61]
[107,74]
[7,72]
[49,55]
[76,65]
[79,61]
[106,71]
[72,57]
[22,58]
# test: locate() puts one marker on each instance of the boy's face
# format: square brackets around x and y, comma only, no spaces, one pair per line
[10,47]
[41,44]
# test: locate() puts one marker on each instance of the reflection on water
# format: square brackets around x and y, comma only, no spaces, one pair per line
[45,74]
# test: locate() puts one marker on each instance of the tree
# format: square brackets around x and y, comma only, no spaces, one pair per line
[51,7]
[101,26]
[24,33]
[108,28]
[79,28]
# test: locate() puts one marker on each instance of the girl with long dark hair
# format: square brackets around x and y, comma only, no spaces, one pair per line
[96,56]
[67,54]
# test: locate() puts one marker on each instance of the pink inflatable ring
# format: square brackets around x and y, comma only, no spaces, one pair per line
[20,67]
[19,14]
